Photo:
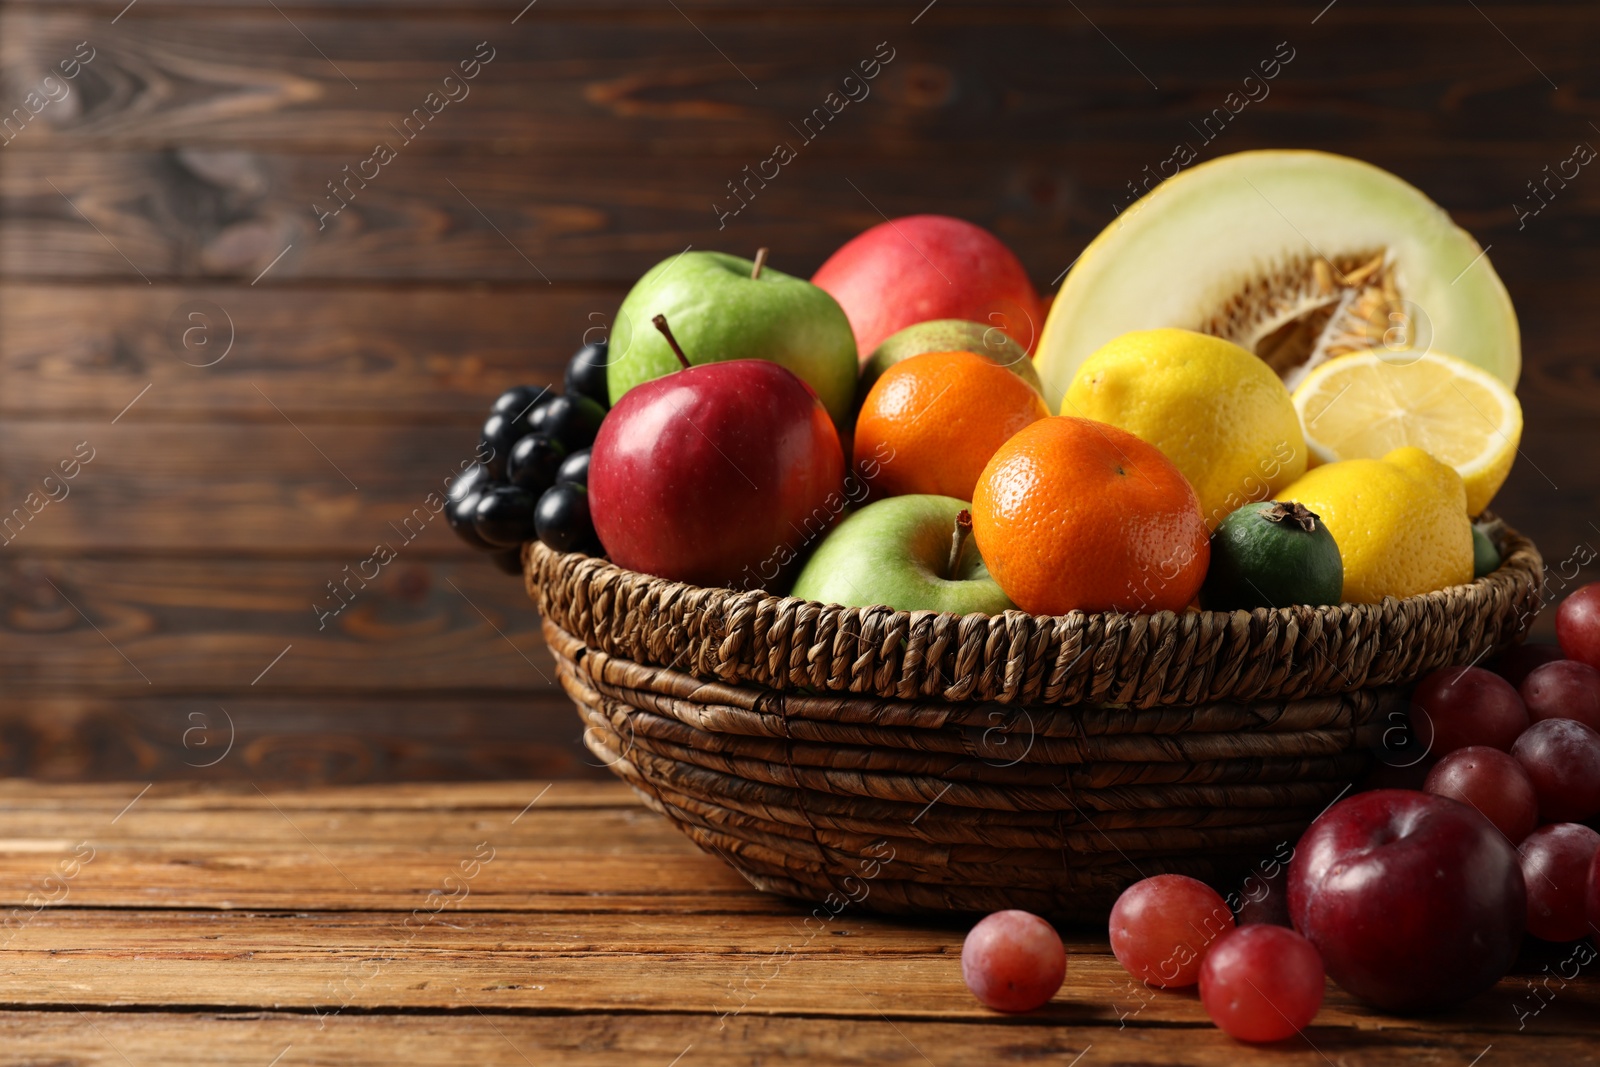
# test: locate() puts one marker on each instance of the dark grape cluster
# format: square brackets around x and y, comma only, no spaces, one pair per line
[534,480]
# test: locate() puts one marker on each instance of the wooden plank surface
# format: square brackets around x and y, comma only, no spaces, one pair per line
[276,484]
[583,1040]
[177,626]
[117,733]
[963,76]
[572,963]
[373,353]
[560,922]
[147,216]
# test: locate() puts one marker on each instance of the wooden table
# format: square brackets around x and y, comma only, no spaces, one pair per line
[528,923]
[268,398]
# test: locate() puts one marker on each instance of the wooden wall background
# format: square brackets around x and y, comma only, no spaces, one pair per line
[142,613]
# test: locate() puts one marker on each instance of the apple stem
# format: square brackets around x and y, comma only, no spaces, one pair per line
[958,541]
[761,261]
[666,331]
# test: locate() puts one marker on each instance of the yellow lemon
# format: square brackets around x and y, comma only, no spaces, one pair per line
[1400,522]
[1365,404]
[1214,409]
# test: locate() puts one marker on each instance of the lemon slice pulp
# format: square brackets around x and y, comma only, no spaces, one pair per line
[1364,405]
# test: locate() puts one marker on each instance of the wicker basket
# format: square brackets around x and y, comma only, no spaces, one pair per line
[918,761]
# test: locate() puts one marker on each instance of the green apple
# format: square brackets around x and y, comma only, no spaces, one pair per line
[948,335]
[911,553]
[718,311]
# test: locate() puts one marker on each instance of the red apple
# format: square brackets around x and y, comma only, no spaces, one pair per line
[924,267]
[720,475]
[1414,901]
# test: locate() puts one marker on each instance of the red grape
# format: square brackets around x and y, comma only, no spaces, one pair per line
[1515,663]
[1491,781]
[1578,625]
[1463,706]
[1562,759]
[1013,961]
[1555,864]
[1261,983]
[1162,927]
[1565,689]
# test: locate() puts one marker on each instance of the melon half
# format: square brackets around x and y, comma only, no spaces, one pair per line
[1298,257]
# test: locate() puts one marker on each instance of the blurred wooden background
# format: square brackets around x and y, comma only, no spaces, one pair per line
[159,621]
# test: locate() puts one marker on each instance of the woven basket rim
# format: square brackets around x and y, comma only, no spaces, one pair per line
[783,642]
[1518,555]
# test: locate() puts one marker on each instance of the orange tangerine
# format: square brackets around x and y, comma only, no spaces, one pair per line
[931,422]
[1076,515]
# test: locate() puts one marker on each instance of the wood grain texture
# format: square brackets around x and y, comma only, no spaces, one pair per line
[137,216]
[209,1039]
[273,484]
[642,964]
[368,353]
[654,82]
[521,962]
[216,797]
[118,733]
[218,626]
[483,927]
[256,848]
[515,219]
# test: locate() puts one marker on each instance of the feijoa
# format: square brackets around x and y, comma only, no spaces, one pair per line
[1272,554]
[1485,557]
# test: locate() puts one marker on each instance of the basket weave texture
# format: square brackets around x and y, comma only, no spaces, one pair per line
[916,761]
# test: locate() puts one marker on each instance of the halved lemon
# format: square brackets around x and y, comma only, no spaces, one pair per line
[1366,404]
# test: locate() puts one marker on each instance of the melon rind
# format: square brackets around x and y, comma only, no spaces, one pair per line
[1173,255]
